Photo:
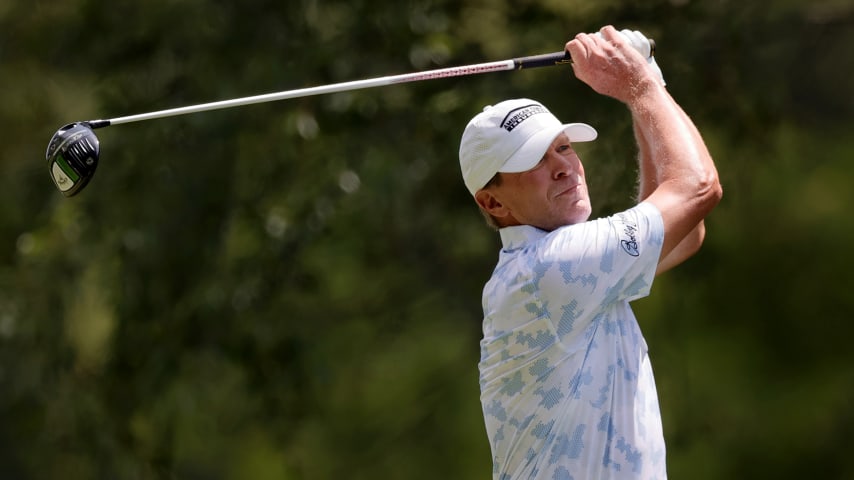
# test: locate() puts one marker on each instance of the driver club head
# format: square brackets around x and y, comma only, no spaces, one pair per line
[72,157]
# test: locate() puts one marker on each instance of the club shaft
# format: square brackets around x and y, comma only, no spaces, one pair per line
[544,60]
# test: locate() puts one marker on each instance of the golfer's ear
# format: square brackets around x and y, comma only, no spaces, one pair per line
[490,203]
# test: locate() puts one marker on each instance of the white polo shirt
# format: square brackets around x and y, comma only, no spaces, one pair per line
[566,385]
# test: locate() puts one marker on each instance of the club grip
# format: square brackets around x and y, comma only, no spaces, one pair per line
[559,58]
[544,60]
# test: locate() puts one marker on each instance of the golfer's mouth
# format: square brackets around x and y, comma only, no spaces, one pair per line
[571,189]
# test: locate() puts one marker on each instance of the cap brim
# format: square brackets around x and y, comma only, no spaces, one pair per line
[531,152]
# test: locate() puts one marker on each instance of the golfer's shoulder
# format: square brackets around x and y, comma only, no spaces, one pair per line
[639,225]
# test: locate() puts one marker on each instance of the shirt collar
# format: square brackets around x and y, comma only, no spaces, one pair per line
[518,236]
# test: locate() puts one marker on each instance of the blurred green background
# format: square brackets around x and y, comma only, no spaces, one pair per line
[292,290]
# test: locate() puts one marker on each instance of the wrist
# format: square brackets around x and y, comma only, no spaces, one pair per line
[644,90]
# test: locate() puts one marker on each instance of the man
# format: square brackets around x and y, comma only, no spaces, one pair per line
[566,384]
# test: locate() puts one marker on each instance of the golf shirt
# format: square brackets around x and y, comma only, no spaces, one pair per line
[566,384]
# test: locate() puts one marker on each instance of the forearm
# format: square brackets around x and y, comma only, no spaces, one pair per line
[647,183]
[670,147]
[646,172]
[684,250]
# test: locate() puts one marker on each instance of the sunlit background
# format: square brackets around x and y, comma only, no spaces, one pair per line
[292,290]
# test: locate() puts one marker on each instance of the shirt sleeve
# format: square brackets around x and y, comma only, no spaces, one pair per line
[608,259]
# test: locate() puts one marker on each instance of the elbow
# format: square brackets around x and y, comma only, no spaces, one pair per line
[710,191]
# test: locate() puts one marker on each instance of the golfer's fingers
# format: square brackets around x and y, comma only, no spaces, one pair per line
[610,34]
[614,40]
[575,49]
[581,47]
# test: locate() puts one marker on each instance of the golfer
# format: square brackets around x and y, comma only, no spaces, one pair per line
[566,384]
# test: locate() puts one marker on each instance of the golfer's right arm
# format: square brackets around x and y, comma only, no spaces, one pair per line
[647,183]
[686,181]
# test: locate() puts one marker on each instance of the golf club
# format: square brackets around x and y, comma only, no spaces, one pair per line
[73,151]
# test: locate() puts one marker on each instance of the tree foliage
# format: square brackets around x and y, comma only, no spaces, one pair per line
[292,289]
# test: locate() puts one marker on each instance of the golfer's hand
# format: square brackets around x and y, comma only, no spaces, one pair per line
[610,65]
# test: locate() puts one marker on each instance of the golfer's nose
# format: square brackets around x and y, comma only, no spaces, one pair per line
[564,165]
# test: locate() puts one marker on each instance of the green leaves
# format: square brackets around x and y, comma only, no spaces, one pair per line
[292,290]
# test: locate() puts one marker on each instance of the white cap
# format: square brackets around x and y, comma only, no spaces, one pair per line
[511,136]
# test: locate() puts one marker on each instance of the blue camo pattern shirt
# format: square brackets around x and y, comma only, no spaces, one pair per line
[566,384]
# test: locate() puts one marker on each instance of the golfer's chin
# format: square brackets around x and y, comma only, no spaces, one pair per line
[578,211]
[580,217]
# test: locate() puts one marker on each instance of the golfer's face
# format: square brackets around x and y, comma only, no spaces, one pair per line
[552,194]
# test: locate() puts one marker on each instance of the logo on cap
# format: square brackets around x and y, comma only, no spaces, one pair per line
[518,115]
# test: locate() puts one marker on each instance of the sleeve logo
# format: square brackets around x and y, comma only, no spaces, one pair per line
[627,231]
